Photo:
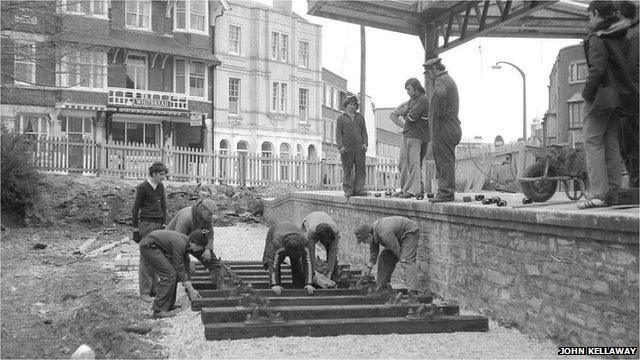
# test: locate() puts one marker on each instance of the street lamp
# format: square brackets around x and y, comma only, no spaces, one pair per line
[524,95]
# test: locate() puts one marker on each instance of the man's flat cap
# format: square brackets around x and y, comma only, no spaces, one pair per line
[431,62]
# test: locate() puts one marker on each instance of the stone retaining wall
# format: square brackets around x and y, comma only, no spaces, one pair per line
[567,275]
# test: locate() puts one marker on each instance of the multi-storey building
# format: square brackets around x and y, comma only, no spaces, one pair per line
[562,124]
[136,71]
[334,95]
[269,86]
[388,135]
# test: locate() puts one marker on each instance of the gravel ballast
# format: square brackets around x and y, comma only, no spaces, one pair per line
[183,335]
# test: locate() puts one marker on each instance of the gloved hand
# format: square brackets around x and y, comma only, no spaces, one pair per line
[265,266]
[364,148]
[193,294]
[310,289]
[206,255]
[136,236]
[277,289]
[192,268]
[366,271]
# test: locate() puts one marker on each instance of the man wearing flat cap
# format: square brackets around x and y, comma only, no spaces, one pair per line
[351,136]
[445,132]
[198,217]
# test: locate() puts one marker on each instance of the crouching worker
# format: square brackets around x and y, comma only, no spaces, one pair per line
[198,217]
[400,237]
[285,239]
[319,227]
[167,253]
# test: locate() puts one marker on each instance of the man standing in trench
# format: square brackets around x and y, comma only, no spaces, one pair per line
[445,127]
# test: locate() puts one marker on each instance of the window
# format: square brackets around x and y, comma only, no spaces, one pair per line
[86,7]
[31,124]
[279,46]
[336,100]
[139,133]
[285,153]
[24,64]
[303,105]
[303,54]
[578,72]
[234,39]
[242,147]
[575,115]
[234,96]
[279,97]
[86,68]
[138,14]
[136,71]
[197,78]
[191,15]
[224,147]
[76,126]
[332,98]
[327,96]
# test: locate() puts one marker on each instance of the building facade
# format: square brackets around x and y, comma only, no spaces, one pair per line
[131,71]
[562,124]
[334,90]
[269,86]
[388,135]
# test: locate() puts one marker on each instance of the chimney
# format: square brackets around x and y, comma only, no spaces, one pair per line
[284,5]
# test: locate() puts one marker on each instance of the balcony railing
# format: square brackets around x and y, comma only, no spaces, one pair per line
[148,99]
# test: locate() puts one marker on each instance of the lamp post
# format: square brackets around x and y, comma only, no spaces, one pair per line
[524,95]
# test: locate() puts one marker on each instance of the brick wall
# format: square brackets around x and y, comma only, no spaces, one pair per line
[571,276]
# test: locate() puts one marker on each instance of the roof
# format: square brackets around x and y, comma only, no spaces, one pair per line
[383,122]
[252,4]
[451,23]
[151,42]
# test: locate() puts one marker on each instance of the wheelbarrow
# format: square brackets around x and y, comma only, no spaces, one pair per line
[540,182]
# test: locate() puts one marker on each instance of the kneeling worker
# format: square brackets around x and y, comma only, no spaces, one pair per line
[319,227]
[285,239]
[167,253]
[400,237]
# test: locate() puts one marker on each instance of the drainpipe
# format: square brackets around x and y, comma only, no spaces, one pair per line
[212,33]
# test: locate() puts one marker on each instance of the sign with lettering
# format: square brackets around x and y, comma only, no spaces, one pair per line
[195,120]
[155,103]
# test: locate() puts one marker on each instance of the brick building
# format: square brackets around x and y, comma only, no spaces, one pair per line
[562,124]
[136,71]
[388,135]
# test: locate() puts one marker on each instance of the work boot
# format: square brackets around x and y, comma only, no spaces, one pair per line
[147,297]
[405,196]
[441,199]
[162,314]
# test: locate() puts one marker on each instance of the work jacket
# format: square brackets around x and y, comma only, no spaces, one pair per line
[174,246]
[444,106]
[351,133]
[389,232]
[415,113]
[274,252]
[189,219]
[608,85]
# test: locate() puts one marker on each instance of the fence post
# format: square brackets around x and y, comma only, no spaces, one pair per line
[242,170]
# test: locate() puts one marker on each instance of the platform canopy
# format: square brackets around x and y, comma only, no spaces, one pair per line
[443,25]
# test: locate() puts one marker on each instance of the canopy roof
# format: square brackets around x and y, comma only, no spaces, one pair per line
[447,24]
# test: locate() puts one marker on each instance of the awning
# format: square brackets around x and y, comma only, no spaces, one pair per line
[575,98]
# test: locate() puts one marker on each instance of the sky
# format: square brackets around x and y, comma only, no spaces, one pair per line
[490,99]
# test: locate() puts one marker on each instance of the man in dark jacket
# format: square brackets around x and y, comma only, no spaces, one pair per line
[445,127]
[198,217]
[415,138]
[149,213]
[628,137]
[285,239]
[351,136]
[608,91]
[167,253]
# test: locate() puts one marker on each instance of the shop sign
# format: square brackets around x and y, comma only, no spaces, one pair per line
[195,119]
[154,103]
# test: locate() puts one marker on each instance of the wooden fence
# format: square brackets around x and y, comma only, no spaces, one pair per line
[132,161]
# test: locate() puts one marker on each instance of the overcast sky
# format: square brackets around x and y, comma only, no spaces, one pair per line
[490,100]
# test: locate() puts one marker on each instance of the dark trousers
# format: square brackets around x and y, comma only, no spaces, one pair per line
[387,262]
[628,139]
[353,157]
[167,277]
[147,281]
[446,138]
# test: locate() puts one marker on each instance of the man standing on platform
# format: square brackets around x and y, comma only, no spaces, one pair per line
[445,128]
[400,237]
[351,136]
